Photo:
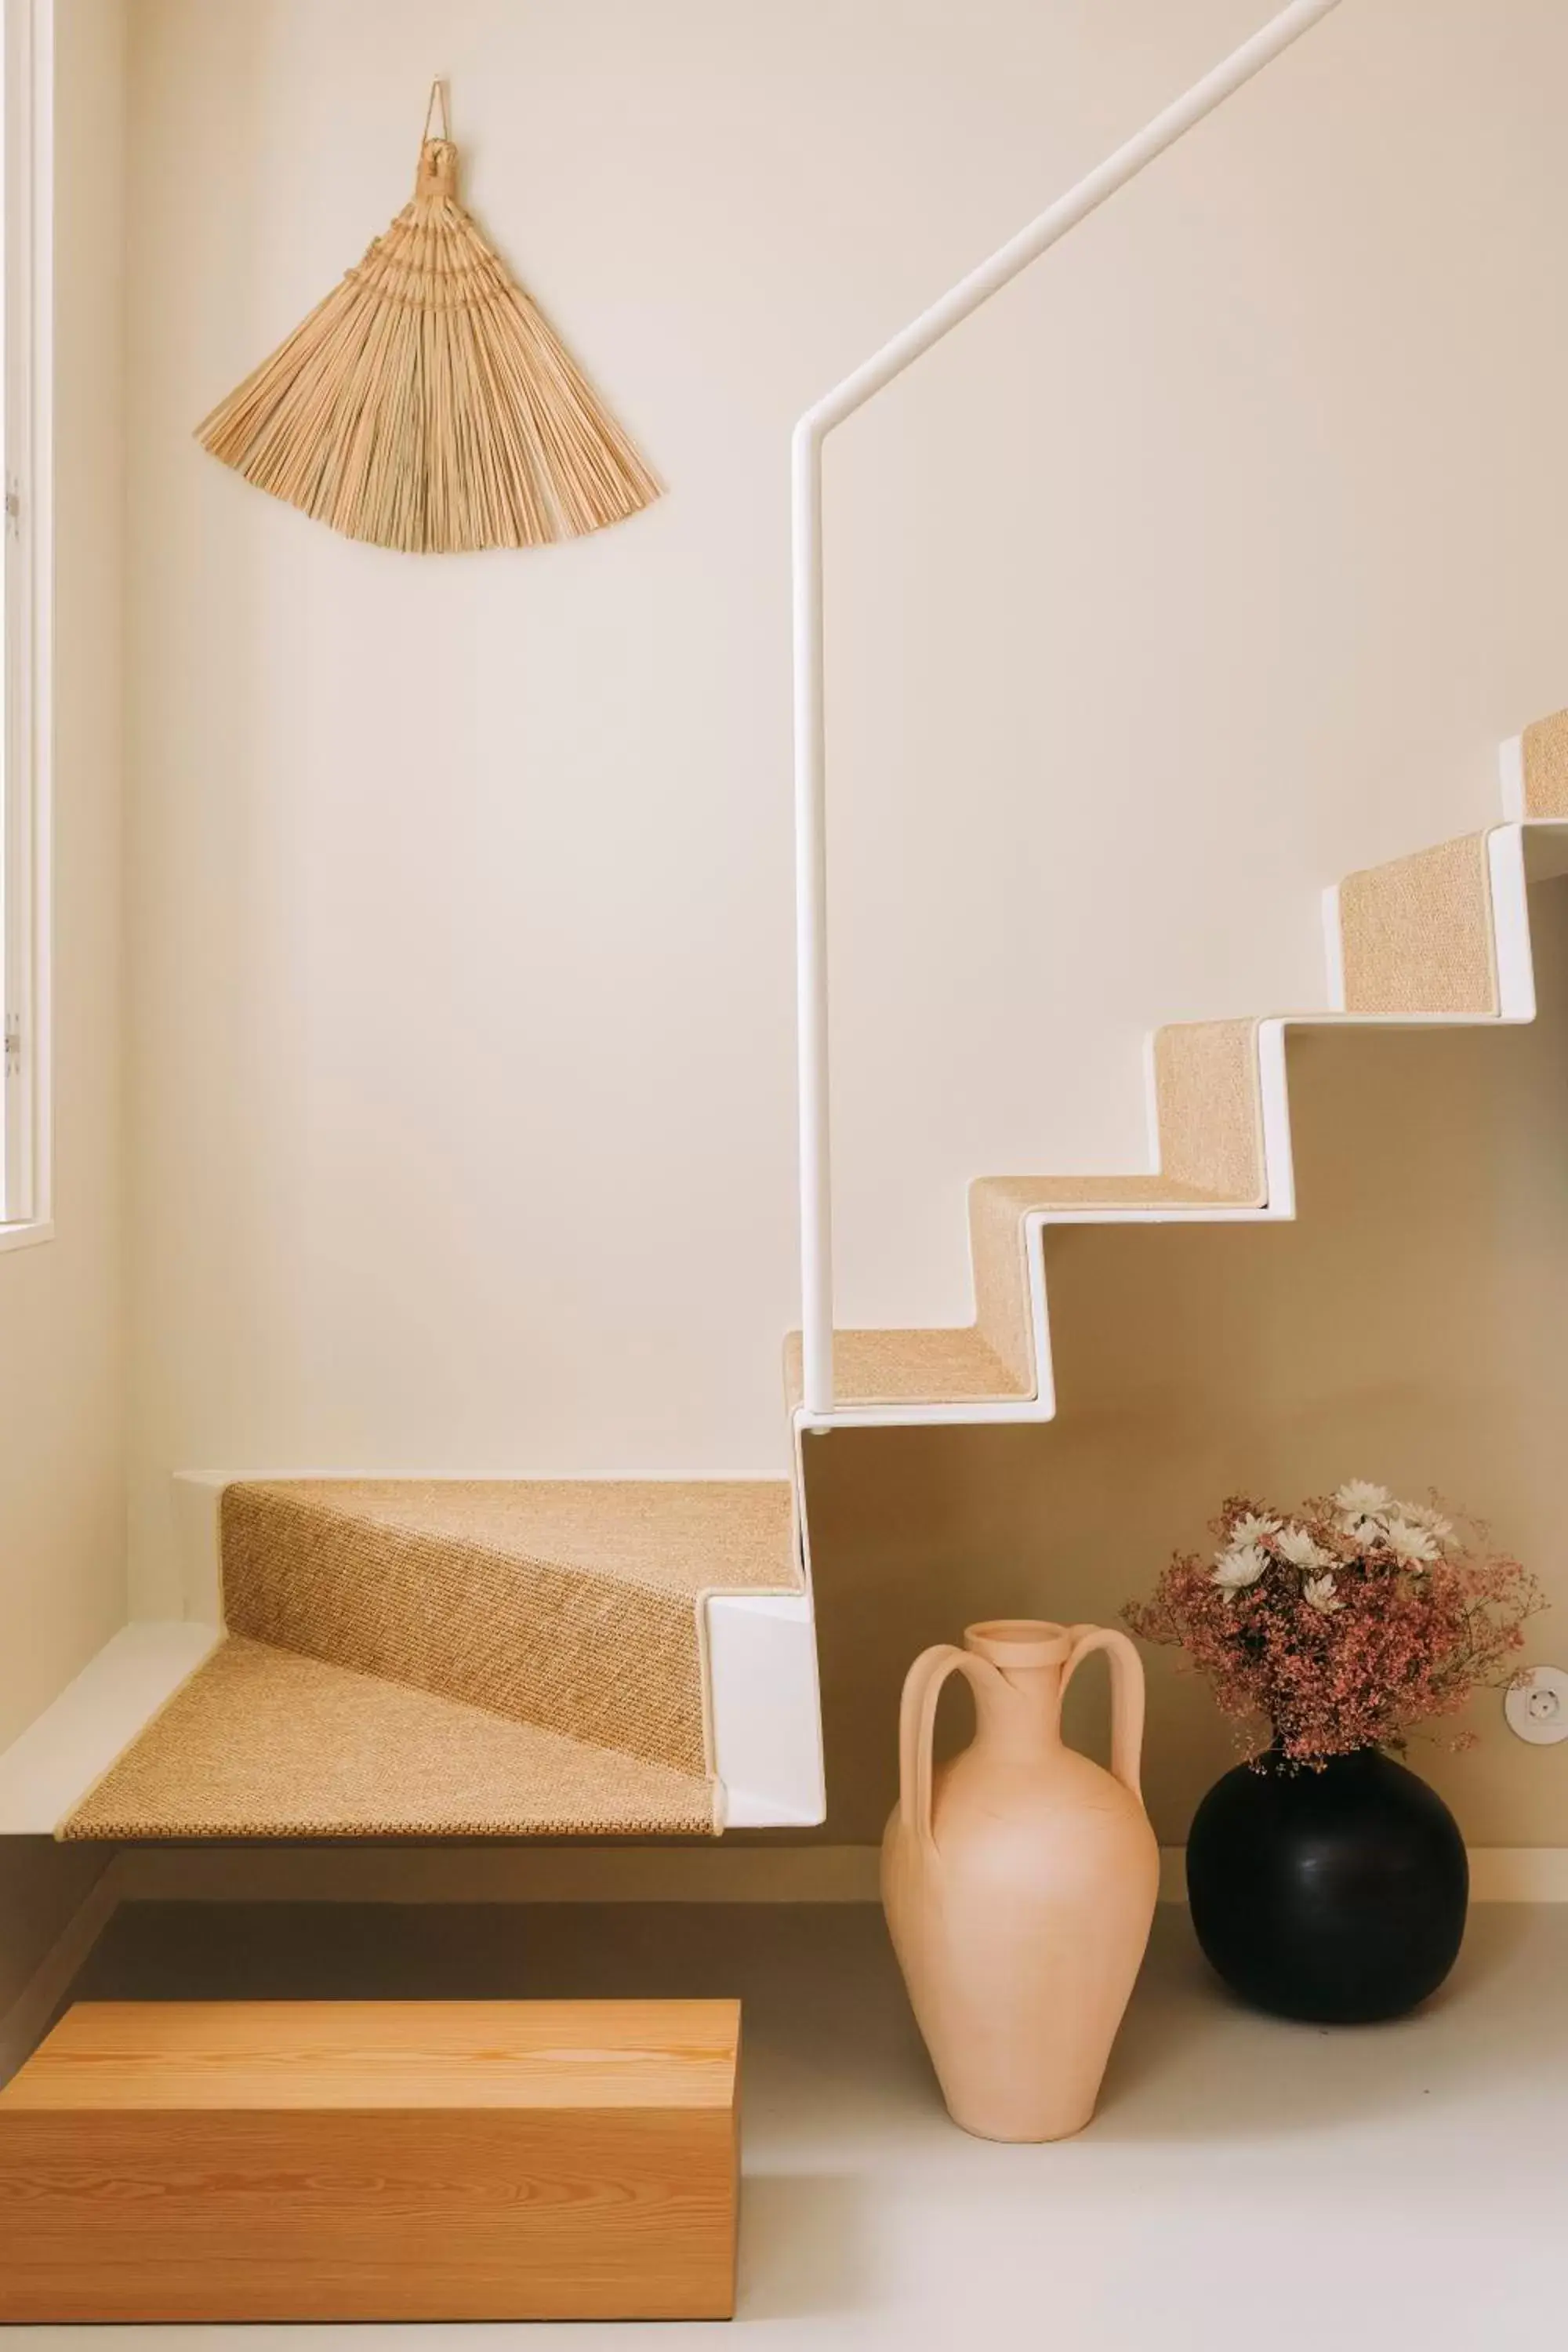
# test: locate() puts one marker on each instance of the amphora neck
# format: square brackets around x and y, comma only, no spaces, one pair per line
[1019,1708]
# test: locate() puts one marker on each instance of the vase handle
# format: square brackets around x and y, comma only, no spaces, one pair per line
[1127,1697]
[916,1720]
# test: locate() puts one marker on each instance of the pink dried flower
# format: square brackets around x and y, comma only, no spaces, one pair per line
[1366,1617]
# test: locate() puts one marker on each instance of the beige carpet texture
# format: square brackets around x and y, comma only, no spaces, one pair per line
[909,1367]
[1417,934]
[1546,767]
[1208,1095]
[570,1605]
[392,1642]
[261,1743]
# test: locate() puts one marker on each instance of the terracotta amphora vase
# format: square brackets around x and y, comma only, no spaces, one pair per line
[1020,1880]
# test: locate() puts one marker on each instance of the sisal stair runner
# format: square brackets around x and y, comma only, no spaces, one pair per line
[446,1658]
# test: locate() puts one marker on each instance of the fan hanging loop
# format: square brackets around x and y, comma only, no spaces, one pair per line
[438,98]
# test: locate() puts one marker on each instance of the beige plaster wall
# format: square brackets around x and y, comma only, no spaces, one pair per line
[62,1365]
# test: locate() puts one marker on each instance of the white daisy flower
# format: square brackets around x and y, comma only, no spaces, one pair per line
[1301,1549]
[1412,1545]
[1235,1569]
[1358,1499]
[1318,1593]
[1250,1529]
[1422,1515]
[1365,1534]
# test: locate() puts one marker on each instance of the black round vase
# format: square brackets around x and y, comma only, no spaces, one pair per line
[1338,1896]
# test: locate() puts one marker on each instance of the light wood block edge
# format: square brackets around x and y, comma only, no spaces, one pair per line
[419,2162]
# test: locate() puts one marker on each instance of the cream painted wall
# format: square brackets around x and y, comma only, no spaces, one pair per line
[62,1369]
[1213,561]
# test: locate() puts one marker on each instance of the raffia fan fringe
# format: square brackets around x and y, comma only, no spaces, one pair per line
[426,405]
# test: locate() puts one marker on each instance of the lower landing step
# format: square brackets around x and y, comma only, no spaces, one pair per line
[227,2161]
[174,1733]
[261,1743]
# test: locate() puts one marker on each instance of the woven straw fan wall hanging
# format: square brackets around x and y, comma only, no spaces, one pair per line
[426,405]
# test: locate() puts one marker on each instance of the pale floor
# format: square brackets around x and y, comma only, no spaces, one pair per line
[1246,2187]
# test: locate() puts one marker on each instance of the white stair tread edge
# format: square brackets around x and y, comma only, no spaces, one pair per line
[764,1709]
[1509,864]
[46,1774]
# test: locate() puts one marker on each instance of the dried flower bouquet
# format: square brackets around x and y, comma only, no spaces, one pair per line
[1343,1625]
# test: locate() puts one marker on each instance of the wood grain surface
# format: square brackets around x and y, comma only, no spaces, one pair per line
[282,2161]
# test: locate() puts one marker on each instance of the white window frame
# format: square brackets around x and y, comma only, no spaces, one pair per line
[27,319]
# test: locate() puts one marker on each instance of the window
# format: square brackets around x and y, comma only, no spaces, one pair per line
[25,179]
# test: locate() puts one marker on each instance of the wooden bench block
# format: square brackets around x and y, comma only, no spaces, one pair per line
[336,2160]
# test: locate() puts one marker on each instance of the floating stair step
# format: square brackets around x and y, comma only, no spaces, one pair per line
[991,1361]
[1209,1109]
[229,2161]
[909,1367]
[453,1657]
[997,1208]
[262,1743]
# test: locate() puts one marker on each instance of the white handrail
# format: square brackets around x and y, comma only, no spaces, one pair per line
[810,749]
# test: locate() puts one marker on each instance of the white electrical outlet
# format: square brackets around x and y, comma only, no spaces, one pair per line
[1536,1704]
